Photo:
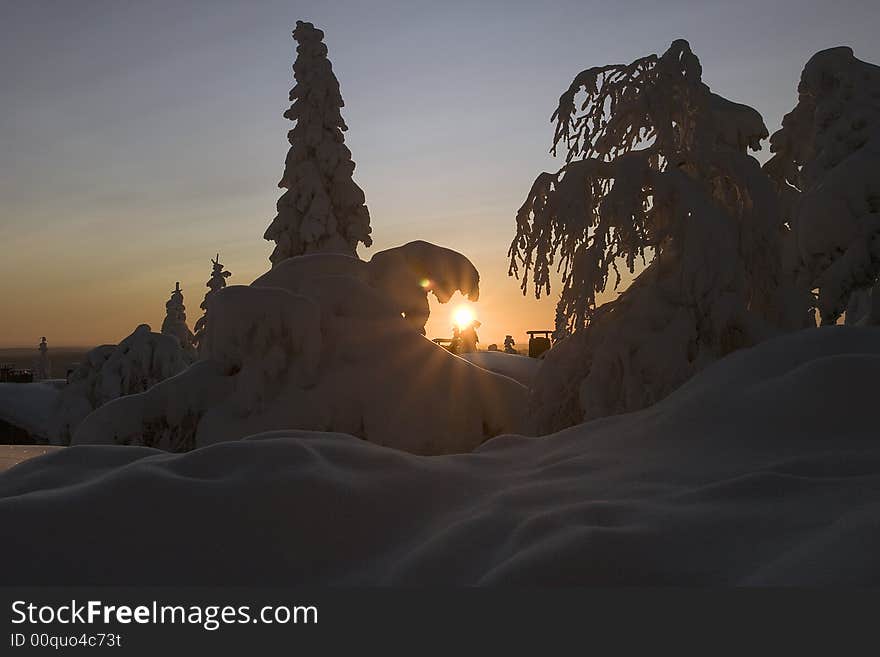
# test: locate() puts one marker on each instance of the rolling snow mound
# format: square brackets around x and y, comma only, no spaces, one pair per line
[762,470]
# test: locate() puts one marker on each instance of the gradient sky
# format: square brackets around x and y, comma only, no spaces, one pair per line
[140,138]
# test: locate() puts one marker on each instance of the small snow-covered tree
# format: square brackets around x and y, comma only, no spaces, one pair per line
[827,167]
[44,368]
[175,322]
[509,345]
[323,208]
[657,175]
[216,282]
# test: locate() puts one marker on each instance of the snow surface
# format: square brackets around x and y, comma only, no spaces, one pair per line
[29,405]
[519,368]
[764,469]
[14,454]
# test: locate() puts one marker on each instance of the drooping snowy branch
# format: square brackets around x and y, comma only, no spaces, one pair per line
[639,128]
[323,208]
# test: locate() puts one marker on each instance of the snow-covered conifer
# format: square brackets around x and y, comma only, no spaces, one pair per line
[323,208]
[827,167]
[657,173]
[175,322]
[44,368]
[216,282]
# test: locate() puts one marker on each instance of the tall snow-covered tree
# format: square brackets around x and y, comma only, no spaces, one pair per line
[323,208]
[827,167]
[657,175]
[175,322]
[216,282]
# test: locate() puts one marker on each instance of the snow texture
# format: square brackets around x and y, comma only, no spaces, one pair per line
[323,208]
[827,166]
[761,470]
[327,342]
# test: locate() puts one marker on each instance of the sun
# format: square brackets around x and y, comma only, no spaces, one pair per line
[463,317]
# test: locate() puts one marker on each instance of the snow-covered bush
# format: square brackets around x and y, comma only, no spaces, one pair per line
[216,282]
[321,342]
[827,166]
[175,324]
[657,173]
[140,361]
[323,209]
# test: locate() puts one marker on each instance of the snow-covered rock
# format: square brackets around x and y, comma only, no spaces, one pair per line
[327,342]
[762,470]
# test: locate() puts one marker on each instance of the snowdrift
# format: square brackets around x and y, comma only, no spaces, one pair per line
[762,470]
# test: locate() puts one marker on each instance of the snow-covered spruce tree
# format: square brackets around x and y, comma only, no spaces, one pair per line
[43,369]
[216,282]
[323,208]
[657,173]
[827,167]
[175,323]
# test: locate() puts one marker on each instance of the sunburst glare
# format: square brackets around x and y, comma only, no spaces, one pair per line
[463,316]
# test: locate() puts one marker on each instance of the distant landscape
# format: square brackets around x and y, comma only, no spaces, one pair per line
[62,358]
